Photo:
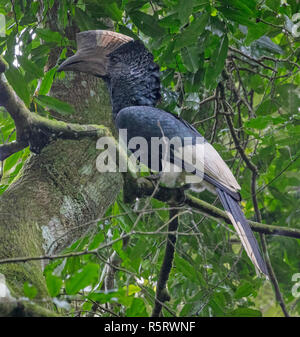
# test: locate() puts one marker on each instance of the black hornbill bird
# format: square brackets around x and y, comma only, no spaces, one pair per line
[134,86]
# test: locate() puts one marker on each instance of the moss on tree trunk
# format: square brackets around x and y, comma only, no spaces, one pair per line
[58,191]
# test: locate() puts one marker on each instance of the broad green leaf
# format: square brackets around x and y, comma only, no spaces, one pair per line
[50,36]
[85,21]
[185,9]
[12,161]
[17,81]
[54,284]
[87,276]
[133,5]
[47,82]
[147,24]
[288,96]
[29,290]
[31,68]
[190,58]
[170,21]
[120,296]
[137,309]
[257,84]
[55,104]
[260,122]
[267,107]
[244,290]
[113,11]
[236,15]
[216,63]
[191,34]
[243,6]
[255,32]
[186,269]
[98,238]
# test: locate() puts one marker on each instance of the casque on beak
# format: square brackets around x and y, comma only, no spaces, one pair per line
[93,49]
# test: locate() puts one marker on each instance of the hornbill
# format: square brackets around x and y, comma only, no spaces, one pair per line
[134,86]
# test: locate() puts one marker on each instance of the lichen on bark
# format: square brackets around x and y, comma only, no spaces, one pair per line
[57,190]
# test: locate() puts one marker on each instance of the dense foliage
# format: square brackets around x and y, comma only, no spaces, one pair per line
[222,62]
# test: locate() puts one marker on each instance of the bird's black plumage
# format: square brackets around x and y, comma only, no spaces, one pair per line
[133,81]
[133,77]
[137,85]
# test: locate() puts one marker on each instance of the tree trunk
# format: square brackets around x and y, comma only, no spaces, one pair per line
[57,190]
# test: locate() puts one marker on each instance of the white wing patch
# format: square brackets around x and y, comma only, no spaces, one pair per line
[205,159]
[215,167]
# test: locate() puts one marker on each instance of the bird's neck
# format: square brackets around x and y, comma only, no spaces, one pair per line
[125,93]
[134,77]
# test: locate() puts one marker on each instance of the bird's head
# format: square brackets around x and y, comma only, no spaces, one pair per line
[127,66]
[94,46]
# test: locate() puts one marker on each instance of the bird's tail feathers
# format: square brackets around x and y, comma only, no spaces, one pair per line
[243,230]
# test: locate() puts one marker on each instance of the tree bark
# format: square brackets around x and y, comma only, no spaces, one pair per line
[58,191]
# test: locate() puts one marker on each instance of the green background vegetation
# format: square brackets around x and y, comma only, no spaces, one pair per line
[252,49]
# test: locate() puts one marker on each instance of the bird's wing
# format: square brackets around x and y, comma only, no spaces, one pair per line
[203,157]
[150,122]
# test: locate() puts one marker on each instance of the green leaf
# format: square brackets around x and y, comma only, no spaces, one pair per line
[50,36]
[267,107]
[255,32]
[55,104]
[147,24]
[170,21]
[17,81]
[54,284]
[137,309]
[31,68]
[133,5]
[187,269]
[47,82]
[260,122]
[163,214]
[113,11]
[287,95]
[98,238]
[236,15]
[120,296]
[85,21]
[190,58]
[87,276]
[12,161]
[191,34]
[244,290]
[243,6]
[257,84]
[185,9]
[216,63]
[29,290]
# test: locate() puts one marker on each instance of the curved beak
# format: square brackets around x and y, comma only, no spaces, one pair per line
[88,61]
